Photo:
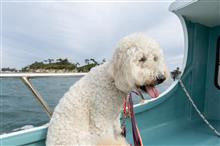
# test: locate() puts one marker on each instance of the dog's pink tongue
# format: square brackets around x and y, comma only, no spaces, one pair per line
[153,92]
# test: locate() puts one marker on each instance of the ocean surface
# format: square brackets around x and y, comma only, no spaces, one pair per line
[20,110]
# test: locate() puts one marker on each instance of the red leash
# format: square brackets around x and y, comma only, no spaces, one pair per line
[123,126]
[135,131]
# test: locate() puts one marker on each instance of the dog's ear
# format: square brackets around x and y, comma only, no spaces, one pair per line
[115,63]
[111,69]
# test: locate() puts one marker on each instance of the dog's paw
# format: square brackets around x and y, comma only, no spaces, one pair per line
[120,141]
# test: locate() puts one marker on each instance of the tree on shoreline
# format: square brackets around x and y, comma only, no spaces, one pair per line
[62,64]
[87,61]
[8,69]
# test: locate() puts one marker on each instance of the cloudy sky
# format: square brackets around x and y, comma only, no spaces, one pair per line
[38,31]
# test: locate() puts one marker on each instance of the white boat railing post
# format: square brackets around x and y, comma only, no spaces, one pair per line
[37,95]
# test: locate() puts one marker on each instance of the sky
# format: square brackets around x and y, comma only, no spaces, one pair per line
[41,30]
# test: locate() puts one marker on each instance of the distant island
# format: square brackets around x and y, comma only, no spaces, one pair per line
[57,66]
[65,66]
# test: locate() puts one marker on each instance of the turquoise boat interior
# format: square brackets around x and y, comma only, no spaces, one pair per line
[171,119]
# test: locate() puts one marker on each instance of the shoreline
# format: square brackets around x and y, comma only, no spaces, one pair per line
[41,71]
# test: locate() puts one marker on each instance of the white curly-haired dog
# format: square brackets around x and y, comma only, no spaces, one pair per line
[88,114]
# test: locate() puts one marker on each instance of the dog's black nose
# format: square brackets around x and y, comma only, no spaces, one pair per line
[160,78]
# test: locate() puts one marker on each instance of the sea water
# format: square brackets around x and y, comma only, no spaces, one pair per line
[20,110]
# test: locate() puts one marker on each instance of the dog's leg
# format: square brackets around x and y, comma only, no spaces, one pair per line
[107,141]
[117,127]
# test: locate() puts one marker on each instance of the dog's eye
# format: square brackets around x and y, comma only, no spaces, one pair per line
[143,59]
[155,58]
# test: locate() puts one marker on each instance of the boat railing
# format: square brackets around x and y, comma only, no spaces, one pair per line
[26,78]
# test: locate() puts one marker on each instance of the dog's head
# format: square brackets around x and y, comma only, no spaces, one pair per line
[138,63]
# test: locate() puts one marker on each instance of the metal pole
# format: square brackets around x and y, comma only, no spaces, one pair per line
[37,95]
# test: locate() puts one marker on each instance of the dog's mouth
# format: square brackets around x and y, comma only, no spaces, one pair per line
[150,90]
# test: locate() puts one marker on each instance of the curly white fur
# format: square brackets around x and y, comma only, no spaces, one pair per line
[89,112]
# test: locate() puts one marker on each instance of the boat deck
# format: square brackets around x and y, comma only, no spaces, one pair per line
[185,133]
[175,133]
